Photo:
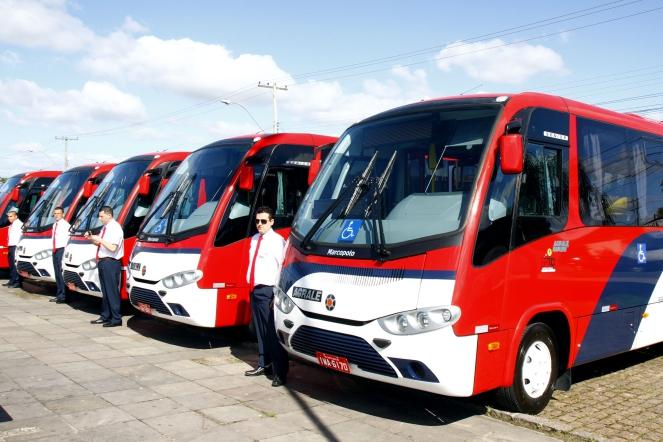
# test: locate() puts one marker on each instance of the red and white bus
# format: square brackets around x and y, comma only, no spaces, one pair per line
[190,262]
[70,190]
[22,191]
[129,189]
[474,243]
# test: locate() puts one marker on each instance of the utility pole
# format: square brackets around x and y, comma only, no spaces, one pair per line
[274,87]
[66,148]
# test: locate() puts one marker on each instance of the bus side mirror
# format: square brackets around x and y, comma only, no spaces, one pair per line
[246,178]
[88,189]
[313,170]
[511,153]
[15,195]
[144,185]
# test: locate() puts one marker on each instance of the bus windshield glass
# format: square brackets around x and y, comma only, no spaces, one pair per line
[7,187]
[113,191]
[190,198]
[412,175]
[60,193]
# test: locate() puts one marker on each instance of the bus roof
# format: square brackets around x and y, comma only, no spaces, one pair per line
[525,99]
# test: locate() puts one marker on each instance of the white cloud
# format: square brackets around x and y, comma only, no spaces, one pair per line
[131,26]
[10,58]
[325,102]
[495,61]
[184,66]
[224,129]
[25,100]
[44,24]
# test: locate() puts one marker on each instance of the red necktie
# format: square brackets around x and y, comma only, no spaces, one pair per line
[253,264]
[99,245]
[55,231]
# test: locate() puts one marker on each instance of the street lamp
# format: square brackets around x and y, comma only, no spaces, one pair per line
[228,103]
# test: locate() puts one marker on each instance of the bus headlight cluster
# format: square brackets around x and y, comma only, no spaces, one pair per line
[44,254]
[180,279]
[283,301]
[90,264]
[420,320]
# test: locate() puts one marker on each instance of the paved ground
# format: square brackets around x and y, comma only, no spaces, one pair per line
[64,379]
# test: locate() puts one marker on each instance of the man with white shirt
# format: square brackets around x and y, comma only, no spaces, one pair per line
[15,233]
[110,250]
[60,237]
[265,260]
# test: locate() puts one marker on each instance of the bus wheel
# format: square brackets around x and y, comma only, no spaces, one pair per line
[535,374]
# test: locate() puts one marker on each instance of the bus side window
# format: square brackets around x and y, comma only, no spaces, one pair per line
[542,198]
[494,237]
[32,195]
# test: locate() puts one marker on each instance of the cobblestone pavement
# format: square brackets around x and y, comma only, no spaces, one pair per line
[62,378]
[620,398]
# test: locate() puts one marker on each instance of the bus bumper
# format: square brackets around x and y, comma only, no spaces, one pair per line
[437,361]
[31,268]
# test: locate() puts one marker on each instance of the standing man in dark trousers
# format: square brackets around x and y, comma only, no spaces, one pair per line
[15,233]
[110,250]
[60,236]
[265,260]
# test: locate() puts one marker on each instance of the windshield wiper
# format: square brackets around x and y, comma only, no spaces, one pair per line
[378,227]
[361,186]
[183,187]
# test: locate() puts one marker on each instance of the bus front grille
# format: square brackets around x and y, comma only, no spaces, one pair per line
[309,340]
[24,266]
[149,297]
[73,278]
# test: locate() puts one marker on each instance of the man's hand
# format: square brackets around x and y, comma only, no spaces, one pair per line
[94,239]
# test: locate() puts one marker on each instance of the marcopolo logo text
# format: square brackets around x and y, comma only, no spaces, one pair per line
[336,252]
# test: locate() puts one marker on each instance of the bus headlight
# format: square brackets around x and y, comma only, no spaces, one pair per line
[181,279]
[420,320]
[283,301]
[44,254]
[90,264]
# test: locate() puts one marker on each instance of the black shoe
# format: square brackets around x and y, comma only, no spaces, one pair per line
[53,300]
[14,286]
[5,284]
[255,372]
[112,324]
[98,321]
[278,381]
[60,301]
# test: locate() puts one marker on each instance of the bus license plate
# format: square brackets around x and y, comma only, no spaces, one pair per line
[145,308]
[337,363]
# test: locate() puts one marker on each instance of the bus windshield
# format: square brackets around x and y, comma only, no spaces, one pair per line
[113,191]
[190,198]
[412,175]
[61,193]
[8,186]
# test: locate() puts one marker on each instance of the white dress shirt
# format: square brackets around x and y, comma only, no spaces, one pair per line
[15,232]
[268,260]
[60,233]
[112,233]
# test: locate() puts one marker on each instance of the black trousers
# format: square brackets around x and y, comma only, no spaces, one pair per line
[110,271]
[59,279]
[14,277]
[269,348]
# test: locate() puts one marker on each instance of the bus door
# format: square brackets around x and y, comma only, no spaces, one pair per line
[280,182]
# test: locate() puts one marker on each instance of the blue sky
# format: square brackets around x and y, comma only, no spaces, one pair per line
[130,77]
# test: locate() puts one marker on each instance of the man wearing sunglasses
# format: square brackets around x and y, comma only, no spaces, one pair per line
[265,260]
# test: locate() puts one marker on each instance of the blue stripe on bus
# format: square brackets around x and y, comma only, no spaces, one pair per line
[298,270]
[630,288]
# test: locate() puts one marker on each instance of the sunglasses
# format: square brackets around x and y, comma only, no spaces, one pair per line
[261,221]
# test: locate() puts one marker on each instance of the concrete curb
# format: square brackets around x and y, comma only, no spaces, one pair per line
[548,426]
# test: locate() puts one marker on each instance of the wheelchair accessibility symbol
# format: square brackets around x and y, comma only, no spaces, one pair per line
[642,253]
[349,230]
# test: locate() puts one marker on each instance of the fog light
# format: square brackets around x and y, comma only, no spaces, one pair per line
[402,322]
[423,320]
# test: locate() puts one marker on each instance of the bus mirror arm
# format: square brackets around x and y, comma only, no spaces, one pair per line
[15,195]
[511,153]
[144,185]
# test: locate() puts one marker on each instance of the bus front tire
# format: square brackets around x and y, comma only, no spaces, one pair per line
[535,372]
